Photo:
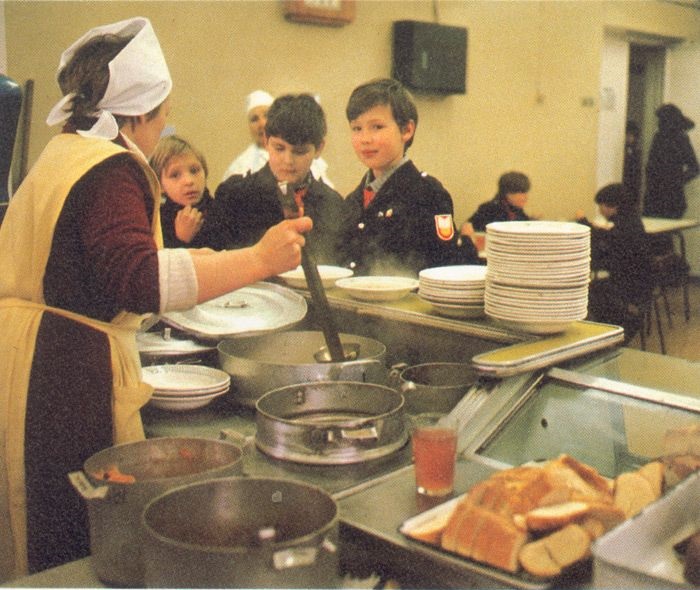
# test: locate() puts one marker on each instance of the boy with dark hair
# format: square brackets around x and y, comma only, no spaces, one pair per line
[245,207]
[508,203]
[622,251]
[398,220]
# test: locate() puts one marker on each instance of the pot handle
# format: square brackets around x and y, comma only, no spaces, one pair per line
[366,433]
[300,556]
[395,374]
[83,486]
[237,438]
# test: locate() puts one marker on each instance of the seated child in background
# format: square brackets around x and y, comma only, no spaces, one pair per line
[507,205]
[245,207]
[182,172]
[623,251]
[398,220]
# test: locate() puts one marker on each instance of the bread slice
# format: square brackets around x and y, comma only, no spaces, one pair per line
[498,541]
[608,516]
[632,493]
[548,518]
[654,473]
[448,539]
[582,482]
[550,555]
[431,530]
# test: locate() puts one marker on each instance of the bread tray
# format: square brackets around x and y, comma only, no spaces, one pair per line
[577,575]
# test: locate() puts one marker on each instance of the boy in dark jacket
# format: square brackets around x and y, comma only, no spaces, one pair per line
[507,205]
[398,220]
[245,207]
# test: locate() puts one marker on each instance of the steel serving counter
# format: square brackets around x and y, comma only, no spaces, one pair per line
[619,398]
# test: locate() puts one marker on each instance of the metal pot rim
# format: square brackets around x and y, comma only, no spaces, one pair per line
[310,538]
[339,423]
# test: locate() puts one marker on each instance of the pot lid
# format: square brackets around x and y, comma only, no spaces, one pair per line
[258,308]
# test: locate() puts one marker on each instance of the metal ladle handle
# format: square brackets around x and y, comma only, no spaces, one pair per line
[318,295]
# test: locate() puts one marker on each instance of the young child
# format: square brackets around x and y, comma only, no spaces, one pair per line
[398,220]
[245,207]
[182,171]
[507,205]
[623,251]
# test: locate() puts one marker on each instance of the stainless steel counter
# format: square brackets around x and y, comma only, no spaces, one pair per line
[375,497]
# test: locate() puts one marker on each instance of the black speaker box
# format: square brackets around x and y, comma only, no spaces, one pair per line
[430,58]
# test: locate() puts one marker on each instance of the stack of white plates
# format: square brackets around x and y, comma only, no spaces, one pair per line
[185,387]
[538,274]
[454,291]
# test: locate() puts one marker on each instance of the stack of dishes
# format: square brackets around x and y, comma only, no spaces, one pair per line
[185,387]
[454,291]
[538,274]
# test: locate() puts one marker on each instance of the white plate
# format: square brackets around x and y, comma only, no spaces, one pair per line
[180,404]
[535,327]
[154,343]
[329,275]
[458,311]
[185,378]
[256,309]
[377,288]
[463,273]
[538,227]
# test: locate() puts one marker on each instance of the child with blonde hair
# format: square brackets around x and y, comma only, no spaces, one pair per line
[182,171]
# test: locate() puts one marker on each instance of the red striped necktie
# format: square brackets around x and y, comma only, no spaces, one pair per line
[368,194]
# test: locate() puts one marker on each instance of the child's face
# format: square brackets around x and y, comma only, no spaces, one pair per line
[377,139]
[517,199]
[607,211]
[291,163]
[183,180]
[257,118]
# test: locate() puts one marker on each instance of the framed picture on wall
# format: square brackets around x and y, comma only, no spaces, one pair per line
[333,13]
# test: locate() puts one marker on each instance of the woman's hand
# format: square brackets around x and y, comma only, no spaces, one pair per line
[188,222]
[279,250]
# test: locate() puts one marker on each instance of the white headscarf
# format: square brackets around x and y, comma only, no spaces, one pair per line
[258,98]
[139,79]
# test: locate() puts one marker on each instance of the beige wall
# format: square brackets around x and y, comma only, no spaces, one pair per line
[532,69]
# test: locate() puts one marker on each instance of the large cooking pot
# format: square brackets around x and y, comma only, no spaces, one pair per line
[244,533]
[330,422]
[259,364]
[433,387]
[115,508]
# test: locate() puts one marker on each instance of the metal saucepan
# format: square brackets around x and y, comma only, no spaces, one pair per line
[114,508]
[330,422]
[259,364]
[242,533]
[433,387]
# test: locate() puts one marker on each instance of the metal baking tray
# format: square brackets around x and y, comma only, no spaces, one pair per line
[256,309]
[579,574]
[580,338]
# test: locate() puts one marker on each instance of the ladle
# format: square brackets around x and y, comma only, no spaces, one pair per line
[293,208]
[325,317]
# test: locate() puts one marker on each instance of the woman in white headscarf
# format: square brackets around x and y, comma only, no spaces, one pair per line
[81,265]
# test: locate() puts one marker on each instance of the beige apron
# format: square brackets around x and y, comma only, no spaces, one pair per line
[25,242]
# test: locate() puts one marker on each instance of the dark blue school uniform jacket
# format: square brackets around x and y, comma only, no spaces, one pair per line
[245,207]
[406,228]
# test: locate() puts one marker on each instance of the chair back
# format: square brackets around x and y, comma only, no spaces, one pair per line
[10,109]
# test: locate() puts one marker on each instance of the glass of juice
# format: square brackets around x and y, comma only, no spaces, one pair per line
[434,454]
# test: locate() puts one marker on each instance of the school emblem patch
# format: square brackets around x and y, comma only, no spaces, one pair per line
[444,227]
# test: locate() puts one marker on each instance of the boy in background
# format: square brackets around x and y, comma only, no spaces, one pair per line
[245,207]
[398,220]
[507,205]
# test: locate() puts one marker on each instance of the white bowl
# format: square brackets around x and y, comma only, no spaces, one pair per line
[329,275]
[377,288]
